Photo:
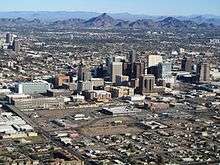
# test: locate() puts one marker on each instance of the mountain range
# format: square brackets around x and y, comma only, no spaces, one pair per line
[106,21]
[51,16]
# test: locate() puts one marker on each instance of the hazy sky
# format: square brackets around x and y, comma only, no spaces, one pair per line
[150,7]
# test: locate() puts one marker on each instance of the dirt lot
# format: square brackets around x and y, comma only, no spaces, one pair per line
[111,126]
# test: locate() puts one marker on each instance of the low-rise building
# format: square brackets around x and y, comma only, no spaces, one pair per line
[70,86]
[58,92]
[98,95]
[156,106]
[11,97]
[117,111]
[97,82]
[84,86]
[61,79]
[35,87]
[78,98]
[152,125]
[39,103]
[136,98]
[122,91]
[121,80]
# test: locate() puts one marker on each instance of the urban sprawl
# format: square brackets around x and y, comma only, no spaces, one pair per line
[109,95]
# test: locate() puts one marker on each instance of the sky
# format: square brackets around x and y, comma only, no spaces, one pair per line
[149,7]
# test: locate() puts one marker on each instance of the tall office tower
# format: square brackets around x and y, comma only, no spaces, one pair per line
[203,72]
[164,70]
[84,74]
[108,62]
[116,69]
[131,60]
[126,69]
[139,69]
[186,64]
[101,72]
[153,60]
[146,84]
[153,70]
[132,56]
[135,83]
[8,38]
[16,45]
[125,66]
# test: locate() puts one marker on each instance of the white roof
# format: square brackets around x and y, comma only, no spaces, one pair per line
[99,91]
[121,110]
[17,95]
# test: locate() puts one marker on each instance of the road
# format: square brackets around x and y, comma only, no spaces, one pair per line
[52,139]
[45,134]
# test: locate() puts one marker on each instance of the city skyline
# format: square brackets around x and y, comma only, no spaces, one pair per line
[147,7]
[127,82]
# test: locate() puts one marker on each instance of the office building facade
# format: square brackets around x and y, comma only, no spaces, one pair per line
[116,69]
[35,87]
[146,84]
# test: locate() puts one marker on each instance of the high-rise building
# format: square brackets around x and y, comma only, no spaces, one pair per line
[127,69]
[9,38]
[187,64]
[116,69]
[100,72]
[139,69]
[132,56]
[131,60]
[108,61]
[146,84]
[153,60]
[164,70]
[84,74]
[203,72]
[16,45]
[135,83]
[153,70]
[133,70]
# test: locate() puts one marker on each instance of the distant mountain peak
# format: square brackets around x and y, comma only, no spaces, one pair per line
[143,23]
[103,20]
[171,22]
[104,14]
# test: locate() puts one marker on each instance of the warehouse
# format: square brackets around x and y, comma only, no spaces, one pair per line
[39,103]
[117,111]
